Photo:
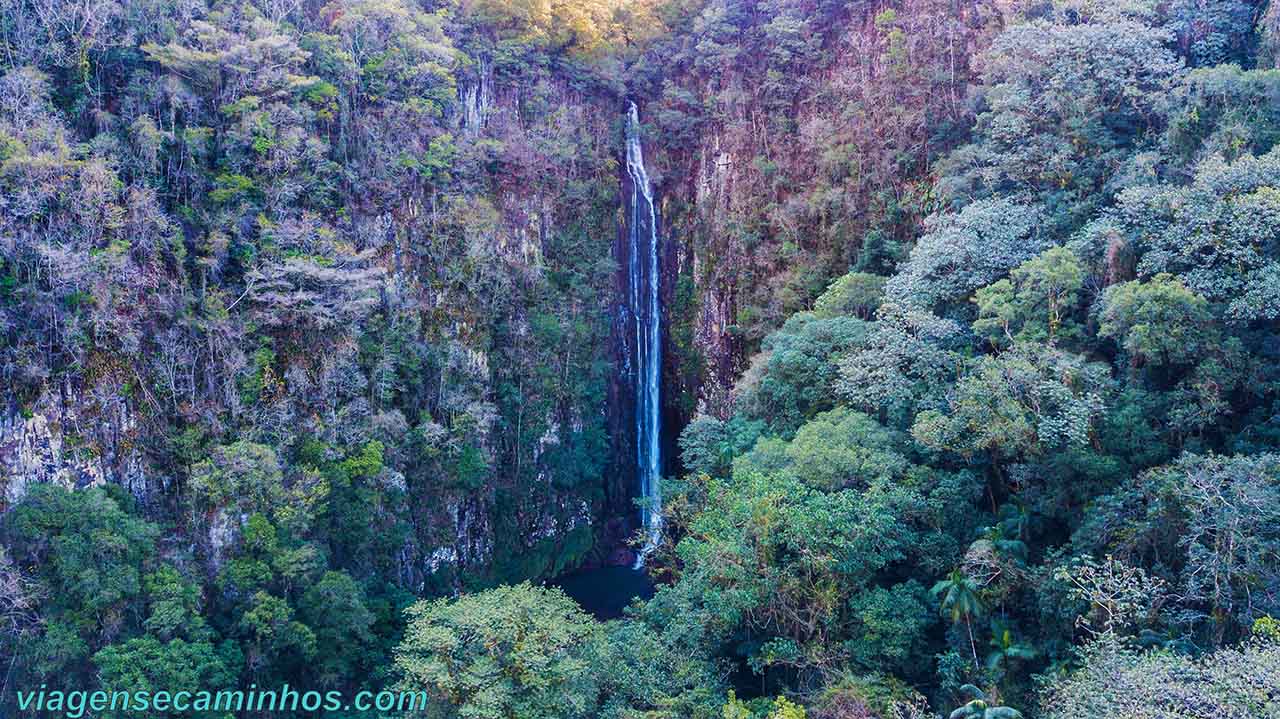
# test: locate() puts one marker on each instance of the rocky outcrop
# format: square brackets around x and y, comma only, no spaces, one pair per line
[72,438]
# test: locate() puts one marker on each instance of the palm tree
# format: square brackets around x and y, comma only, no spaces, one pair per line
[960,601]
[980,707]
[1004,647]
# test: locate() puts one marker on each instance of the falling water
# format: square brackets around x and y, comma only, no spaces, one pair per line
[642,296]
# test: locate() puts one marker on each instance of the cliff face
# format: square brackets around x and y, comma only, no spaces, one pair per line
[329,256]
[419,253]
[540,224]
[794,143]
[71,440]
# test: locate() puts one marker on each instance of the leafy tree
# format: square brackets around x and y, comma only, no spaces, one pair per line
[1004,648]
[1211,516]
[1119,680]
[1224,111]
[1024,401]
[857,294]
[245,478]
[906,363]
[891,627]
[176,606]
[1035,304]
[840,449]
[89,555]
[1213,234]
[1067,100]
[982,707]
[777,708]
[799,374]
[1213,33]
[147,664]
[273,639]
[769,558]
[334,609]
[708,445]
[640,669]
[513,651]
[961,252]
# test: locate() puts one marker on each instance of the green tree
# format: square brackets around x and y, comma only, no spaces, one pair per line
[982,707]
[1035,304]
[334,609]
[1117,679]
[857,294]
[245,478]
[147,664]
[89,555]
[961,601]
[514,652]
[799,375]
[1025,401]
[1160,321]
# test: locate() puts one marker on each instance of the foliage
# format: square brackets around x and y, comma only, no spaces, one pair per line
[1116,679]
[1035,304]
[1027,400]
[857,294]
[980,707]
[799,375]
[518,651]
[89,556]
[1160,322]
[960,253]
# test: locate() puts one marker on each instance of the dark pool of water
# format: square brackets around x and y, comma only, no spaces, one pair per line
[605,592]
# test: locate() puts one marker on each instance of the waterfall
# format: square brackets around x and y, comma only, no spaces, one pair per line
[642,298]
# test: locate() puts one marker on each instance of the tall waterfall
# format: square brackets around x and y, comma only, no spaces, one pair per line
[642,298]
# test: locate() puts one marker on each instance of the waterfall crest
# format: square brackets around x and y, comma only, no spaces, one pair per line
[643,303]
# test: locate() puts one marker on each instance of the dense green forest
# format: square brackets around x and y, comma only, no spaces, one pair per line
[311,366]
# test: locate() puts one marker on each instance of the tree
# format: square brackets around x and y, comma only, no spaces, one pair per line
[960,600]
[334,608]
[1067,100]
[1006,647]
[245,478]
[1233,510]
[906,362]
[642,670]
[1027,400]
[840,448]
[891,627]
[708,445]
[1214,235]
[857,294]
[274,640]
[1035,304]
[1117,680]
[1212,519]
[981,707]
[149,665]
[963,251]
[777,708]
[1161,321]
[518,652]
[176,607]
[799,374]
[89,555]
[772,558]
[1119,596]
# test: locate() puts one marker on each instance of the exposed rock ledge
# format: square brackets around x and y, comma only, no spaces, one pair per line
[69,439]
